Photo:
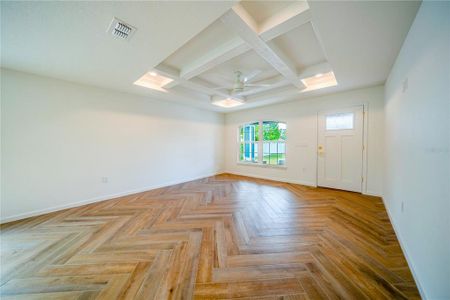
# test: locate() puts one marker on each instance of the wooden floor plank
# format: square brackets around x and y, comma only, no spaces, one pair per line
[220,237]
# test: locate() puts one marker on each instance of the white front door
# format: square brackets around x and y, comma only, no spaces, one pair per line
[340,149]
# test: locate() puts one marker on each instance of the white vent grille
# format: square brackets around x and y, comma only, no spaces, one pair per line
[120,29]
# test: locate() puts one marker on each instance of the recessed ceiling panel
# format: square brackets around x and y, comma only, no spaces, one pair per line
[301,46]
[250,64]
[210,38]
[263,10]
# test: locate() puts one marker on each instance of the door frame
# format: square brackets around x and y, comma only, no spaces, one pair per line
[365,139]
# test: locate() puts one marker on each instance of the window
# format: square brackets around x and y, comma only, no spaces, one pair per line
[268,137]
[339,121]
[249,137]
[274,143]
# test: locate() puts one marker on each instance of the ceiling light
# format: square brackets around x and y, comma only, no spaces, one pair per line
[153,81]
[319,81]
[228,102]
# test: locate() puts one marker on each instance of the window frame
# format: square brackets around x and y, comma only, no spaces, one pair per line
[335,114]
[260,144]
[244,143]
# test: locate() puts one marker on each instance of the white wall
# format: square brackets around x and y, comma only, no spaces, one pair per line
[417,148]
[301,118]
[59,139]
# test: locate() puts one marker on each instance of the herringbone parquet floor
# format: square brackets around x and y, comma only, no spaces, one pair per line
[219,237]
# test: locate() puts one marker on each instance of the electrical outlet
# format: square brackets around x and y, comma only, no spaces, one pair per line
[405,85]
[403,206]
[105,179]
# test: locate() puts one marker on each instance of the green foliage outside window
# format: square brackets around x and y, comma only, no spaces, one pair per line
[241,132]
[272,131]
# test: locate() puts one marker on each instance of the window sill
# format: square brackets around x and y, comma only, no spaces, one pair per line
[261,165]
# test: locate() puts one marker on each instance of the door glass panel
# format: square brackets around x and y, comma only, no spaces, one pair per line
[339,121]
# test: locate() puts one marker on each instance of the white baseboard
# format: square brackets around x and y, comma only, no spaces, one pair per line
[371,193]
[99,198]
[405,252]
[302,182]
[307,183]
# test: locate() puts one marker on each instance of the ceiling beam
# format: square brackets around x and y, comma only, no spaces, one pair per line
[173,74]
[243,24]
[293,16]
[274,94]
[275,91]
[215,57]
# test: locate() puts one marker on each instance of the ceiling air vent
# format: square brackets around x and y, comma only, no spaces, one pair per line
[120,29]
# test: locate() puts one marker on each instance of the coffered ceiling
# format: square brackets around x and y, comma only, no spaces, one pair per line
[272,45]
[199,53]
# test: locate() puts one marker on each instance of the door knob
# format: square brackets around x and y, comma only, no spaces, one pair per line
[320,149]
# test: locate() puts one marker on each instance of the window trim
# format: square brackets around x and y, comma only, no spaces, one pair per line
[260,144]
[336,129]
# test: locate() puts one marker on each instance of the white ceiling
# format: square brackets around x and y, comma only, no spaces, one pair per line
[201,44]
[68,40]
[363,39]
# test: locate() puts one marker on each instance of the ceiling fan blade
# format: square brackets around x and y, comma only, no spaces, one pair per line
[248,77]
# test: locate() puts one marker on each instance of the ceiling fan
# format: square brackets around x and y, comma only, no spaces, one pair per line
[241,82]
